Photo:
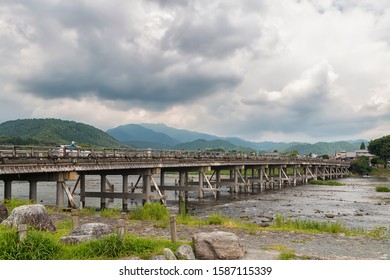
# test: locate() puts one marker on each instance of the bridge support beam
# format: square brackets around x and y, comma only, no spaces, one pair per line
[125,189]
[7,189]
[183,195]
[103,182]
[60,196]
[146,188]
[82,191]
[33,191]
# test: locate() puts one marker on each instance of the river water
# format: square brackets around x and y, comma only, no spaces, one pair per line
[356,204]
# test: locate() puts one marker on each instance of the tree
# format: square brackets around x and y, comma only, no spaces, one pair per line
[362,146]
[381,148]
[361,165]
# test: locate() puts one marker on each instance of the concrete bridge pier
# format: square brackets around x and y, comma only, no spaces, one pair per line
[217,182]
[201,181]
[271,177]
[60,196]
[280,176]
[294,175]
[146,188]
[33,190]
[103,182]
[183,195]
[7,189]
[125,189]
[82,190]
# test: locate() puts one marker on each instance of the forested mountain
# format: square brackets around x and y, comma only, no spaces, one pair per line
[217,144]
[54,132]
[324,148]
[134,133]
[156,136]
[161,136]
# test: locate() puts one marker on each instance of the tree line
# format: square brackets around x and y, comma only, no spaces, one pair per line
[380,148]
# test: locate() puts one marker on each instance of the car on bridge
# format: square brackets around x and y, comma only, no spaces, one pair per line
[65,150]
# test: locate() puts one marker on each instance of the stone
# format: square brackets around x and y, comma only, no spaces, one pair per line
[217,245]
[169,255]
[87,232]
[158,258]
[3,212]
[185,252]
[329,216]
[34,215]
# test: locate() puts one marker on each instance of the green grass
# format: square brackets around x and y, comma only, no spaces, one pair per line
[36,246]
[379,232]
[111,212]
[381,172]
[47,246]
[151,212]
[15,202]
[311,226]
[326,182]
[383,189]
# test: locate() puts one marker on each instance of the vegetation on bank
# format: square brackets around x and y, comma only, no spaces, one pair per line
[380,172]
[47,246]
[383,189]
[326,183]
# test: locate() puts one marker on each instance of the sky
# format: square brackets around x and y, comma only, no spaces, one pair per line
[291,70]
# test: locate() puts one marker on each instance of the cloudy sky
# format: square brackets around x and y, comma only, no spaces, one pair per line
[291,70]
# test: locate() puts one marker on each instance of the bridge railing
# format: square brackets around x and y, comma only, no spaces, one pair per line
[67,152]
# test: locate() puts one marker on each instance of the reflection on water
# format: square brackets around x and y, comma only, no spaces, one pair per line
[357,204]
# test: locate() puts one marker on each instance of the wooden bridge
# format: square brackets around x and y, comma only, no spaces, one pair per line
[212,170]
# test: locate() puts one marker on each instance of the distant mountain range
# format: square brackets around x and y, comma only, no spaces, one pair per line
[146,135]
[161,136]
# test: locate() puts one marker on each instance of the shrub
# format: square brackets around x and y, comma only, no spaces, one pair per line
[328,183]
[361,165]
[382,189]
[150,211]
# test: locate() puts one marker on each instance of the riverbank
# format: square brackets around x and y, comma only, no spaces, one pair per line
[262,244]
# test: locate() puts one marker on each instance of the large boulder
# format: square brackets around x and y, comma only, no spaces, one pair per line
[34,215]
[3,212]
[217,245]
[87,232]
[185,252]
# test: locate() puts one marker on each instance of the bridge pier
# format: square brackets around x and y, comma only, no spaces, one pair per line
[125,189]
[103,182]
[82,190]
[7,189]
[33,193]
[183,195]
[146,188]
[60,196]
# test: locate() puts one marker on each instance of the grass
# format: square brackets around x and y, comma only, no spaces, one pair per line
[15,202]
[45,245]
[150,211]
[383,189]
[326,182]
[311,226]
[40,245]
[380,172]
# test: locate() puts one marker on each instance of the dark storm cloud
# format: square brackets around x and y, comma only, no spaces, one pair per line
[88,51]
[213,35]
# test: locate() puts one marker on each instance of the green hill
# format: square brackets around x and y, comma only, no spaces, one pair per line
[54,132]
[211,145]
[324,148]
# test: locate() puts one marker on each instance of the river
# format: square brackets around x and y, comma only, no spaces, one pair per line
[357,204]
